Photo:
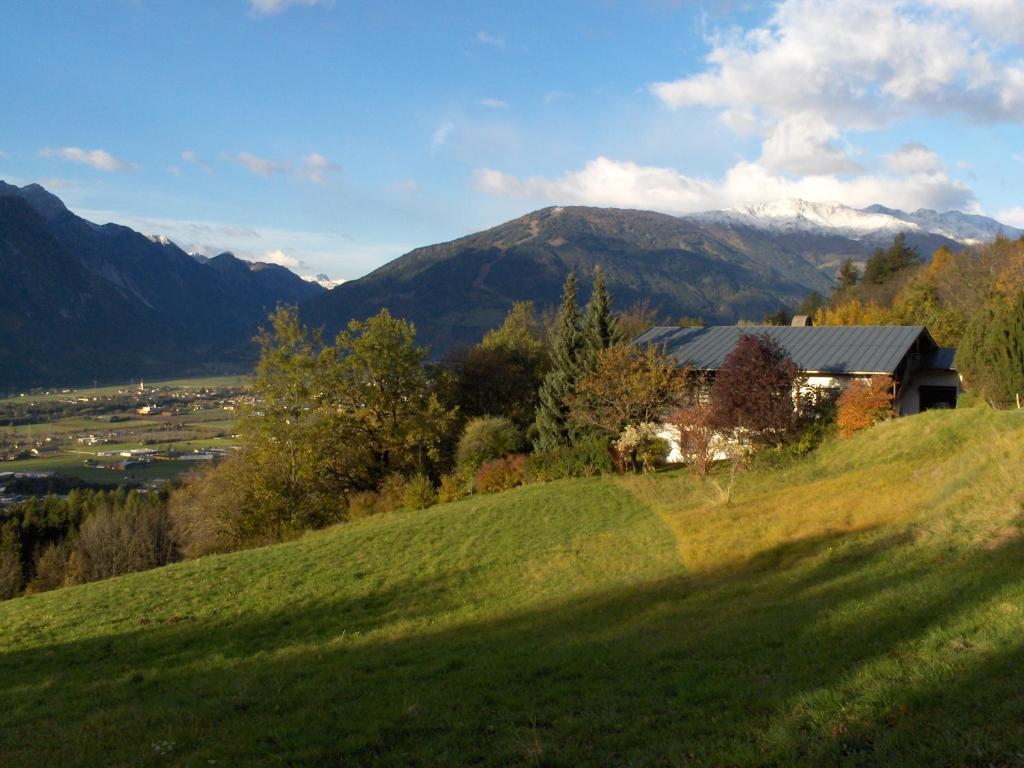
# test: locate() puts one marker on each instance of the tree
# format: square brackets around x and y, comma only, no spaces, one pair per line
[600,330]
[283,440]
[863,404]
[553,425]
[10,561]
[755,391]
[848,275]
[991,354]
[375,391]
[636,319]
[811,304]
[629,385]
[884,264]
[779,317]
[501,376]
[699,437]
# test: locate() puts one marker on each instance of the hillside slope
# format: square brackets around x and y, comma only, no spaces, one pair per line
[864,606]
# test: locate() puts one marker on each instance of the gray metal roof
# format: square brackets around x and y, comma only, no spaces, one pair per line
[816,349]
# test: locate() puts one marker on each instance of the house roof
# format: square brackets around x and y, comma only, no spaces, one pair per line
[816,349]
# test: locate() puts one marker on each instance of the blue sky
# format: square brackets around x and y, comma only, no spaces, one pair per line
[332,136]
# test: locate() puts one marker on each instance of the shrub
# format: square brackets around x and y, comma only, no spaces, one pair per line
[485,439]
[419,493]
[501,474]
[453,487]
[642,447]
[863,404]
[698,436]
[588,457]
[362,504]
[391,493]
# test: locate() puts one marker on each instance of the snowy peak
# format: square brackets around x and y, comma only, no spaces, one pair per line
[323,280]
[859,223]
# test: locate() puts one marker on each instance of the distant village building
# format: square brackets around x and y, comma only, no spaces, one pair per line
[832,356]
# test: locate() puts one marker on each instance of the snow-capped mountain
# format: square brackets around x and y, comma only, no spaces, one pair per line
[323,280]
[858,223]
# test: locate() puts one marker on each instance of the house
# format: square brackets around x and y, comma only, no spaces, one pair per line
[832,356]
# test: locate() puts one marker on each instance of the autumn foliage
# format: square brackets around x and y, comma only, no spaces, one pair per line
[863,404]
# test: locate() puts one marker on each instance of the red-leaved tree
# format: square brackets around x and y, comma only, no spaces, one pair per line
[756,391]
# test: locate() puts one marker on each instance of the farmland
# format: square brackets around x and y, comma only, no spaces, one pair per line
[130,434]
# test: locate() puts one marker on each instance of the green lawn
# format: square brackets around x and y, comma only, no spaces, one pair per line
[863,607]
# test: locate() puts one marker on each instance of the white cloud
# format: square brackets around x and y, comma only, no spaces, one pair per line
[99,159]
[408,185]
[624,184]
[805,143]
[1012,216]
[913,158]
[493,103]
[860,62]
[278,256]
[2,153]
[191,156]
[174,170]
[486,38]
[259,165]
[552,96]
[440,136]
[52,182]
[314,167]
[271,7]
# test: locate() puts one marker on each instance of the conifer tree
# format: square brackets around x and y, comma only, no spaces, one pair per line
[553,425]
[600,330]
[848,274]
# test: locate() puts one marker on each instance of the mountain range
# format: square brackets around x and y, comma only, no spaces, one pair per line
[82,302]
[720,266]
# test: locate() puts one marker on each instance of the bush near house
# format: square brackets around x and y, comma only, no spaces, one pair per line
[864,403]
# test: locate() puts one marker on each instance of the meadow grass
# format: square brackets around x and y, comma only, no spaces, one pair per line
[863,606]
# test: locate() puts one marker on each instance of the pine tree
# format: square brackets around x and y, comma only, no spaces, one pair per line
[566,344]
[600,329]
[848,274]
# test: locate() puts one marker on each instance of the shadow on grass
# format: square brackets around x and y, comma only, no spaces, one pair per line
[878,655]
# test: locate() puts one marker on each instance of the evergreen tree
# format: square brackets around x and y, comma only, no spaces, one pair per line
[991,354]
[848,274]
[553,425]
[884,264]
[600,327]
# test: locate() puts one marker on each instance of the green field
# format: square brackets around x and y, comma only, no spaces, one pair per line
[862,607]
[56,395]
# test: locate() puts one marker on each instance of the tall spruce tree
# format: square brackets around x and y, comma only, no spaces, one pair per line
[600,330]
[553,426]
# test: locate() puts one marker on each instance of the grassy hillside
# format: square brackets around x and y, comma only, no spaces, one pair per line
[862,607]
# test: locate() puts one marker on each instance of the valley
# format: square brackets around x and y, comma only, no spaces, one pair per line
[139,434]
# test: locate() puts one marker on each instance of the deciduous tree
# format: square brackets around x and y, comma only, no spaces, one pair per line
[756,391]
